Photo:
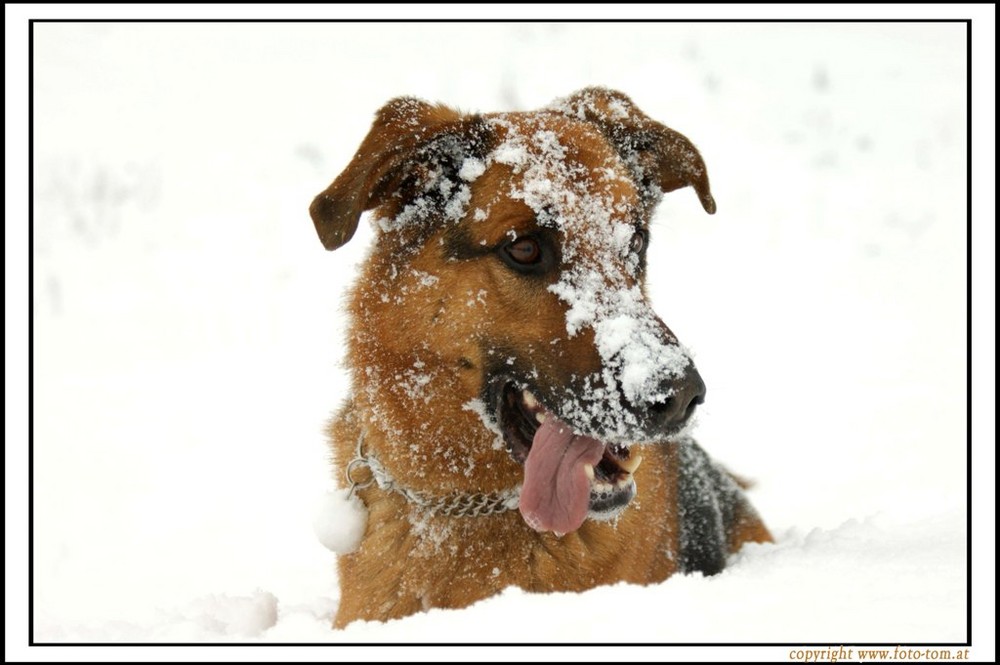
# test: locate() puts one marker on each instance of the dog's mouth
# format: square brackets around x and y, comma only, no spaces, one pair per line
[568,477]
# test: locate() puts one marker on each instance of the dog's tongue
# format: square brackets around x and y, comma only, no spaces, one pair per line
[556,491]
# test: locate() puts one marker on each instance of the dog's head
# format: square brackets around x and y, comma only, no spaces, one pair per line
[508,274]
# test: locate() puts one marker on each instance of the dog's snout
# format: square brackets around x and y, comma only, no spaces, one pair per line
[687,393]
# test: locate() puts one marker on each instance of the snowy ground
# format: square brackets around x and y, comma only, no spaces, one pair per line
[187,323]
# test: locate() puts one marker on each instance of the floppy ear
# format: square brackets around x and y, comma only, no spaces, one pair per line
[659,157]
[400,129]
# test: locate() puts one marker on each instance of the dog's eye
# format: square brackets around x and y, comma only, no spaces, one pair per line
[525,251]
[638,242]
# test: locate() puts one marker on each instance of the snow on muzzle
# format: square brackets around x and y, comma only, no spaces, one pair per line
[647,386]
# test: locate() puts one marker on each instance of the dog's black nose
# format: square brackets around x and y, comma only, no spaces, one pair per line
[687,393]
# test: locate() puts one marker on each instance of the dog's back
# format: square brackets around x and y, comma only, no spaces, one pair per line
[518,411]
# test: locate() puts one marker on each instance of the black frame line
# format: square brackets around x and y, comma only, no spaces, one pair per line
[969,339]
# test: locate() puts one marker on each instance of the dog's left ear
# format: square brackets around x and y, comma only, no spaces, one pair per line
[661,158]
[408,138]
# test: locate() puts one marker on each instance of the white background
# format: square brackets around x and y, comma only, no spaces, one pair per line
[187,323]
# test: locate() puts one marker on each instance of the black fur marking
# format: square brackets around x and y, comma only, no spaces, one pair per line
[459,245]
[707,498]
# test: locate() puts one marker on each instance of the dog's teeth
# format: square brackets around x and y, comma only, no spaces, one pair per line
[623,482]
[589,470]
[631,464]
[540,417]
[529,399]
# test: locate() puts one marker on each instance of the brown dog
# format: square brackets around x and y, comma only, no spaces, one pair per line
[508,373]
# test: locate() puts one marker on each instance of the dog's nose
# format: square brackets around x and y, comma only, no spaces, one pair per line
[687,393]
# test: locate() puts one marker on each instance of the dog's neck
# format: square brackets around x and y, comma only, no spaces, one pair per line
[455,504]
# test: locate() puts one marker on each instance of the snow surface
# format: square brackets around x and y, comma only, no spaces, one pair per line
[188,331]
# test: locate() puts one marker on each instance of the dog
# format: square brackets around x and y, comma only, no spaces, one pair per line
[518,414]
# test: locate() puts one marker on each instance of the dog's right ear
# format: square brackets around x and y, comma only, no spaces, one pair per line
[400,128]
[663,159]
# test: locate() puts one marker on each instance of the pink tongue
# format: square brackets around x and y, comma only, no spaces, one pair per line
[556,491]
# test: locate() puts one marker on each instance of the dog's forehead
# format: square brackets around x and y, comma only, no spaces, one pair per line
[585,139]
[559,172]
[547,135]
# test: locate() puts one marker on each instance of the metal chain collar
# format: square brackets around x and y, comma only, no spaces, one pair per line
[452,505]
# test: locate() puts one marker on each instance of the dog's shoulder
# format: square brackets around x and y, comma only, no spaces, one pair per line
[714,514]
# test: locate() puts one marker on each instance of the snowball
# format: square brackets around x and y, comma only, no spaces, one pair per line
[340,520]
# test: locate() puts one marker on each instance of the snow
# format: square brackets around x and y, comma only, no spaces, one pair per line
[188,327]
[339,521]
[779,581]
[904,564]
[471,169]
[223,617]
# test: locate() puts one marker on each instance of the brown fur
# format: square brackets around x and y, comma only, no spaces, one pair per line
[453,327]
